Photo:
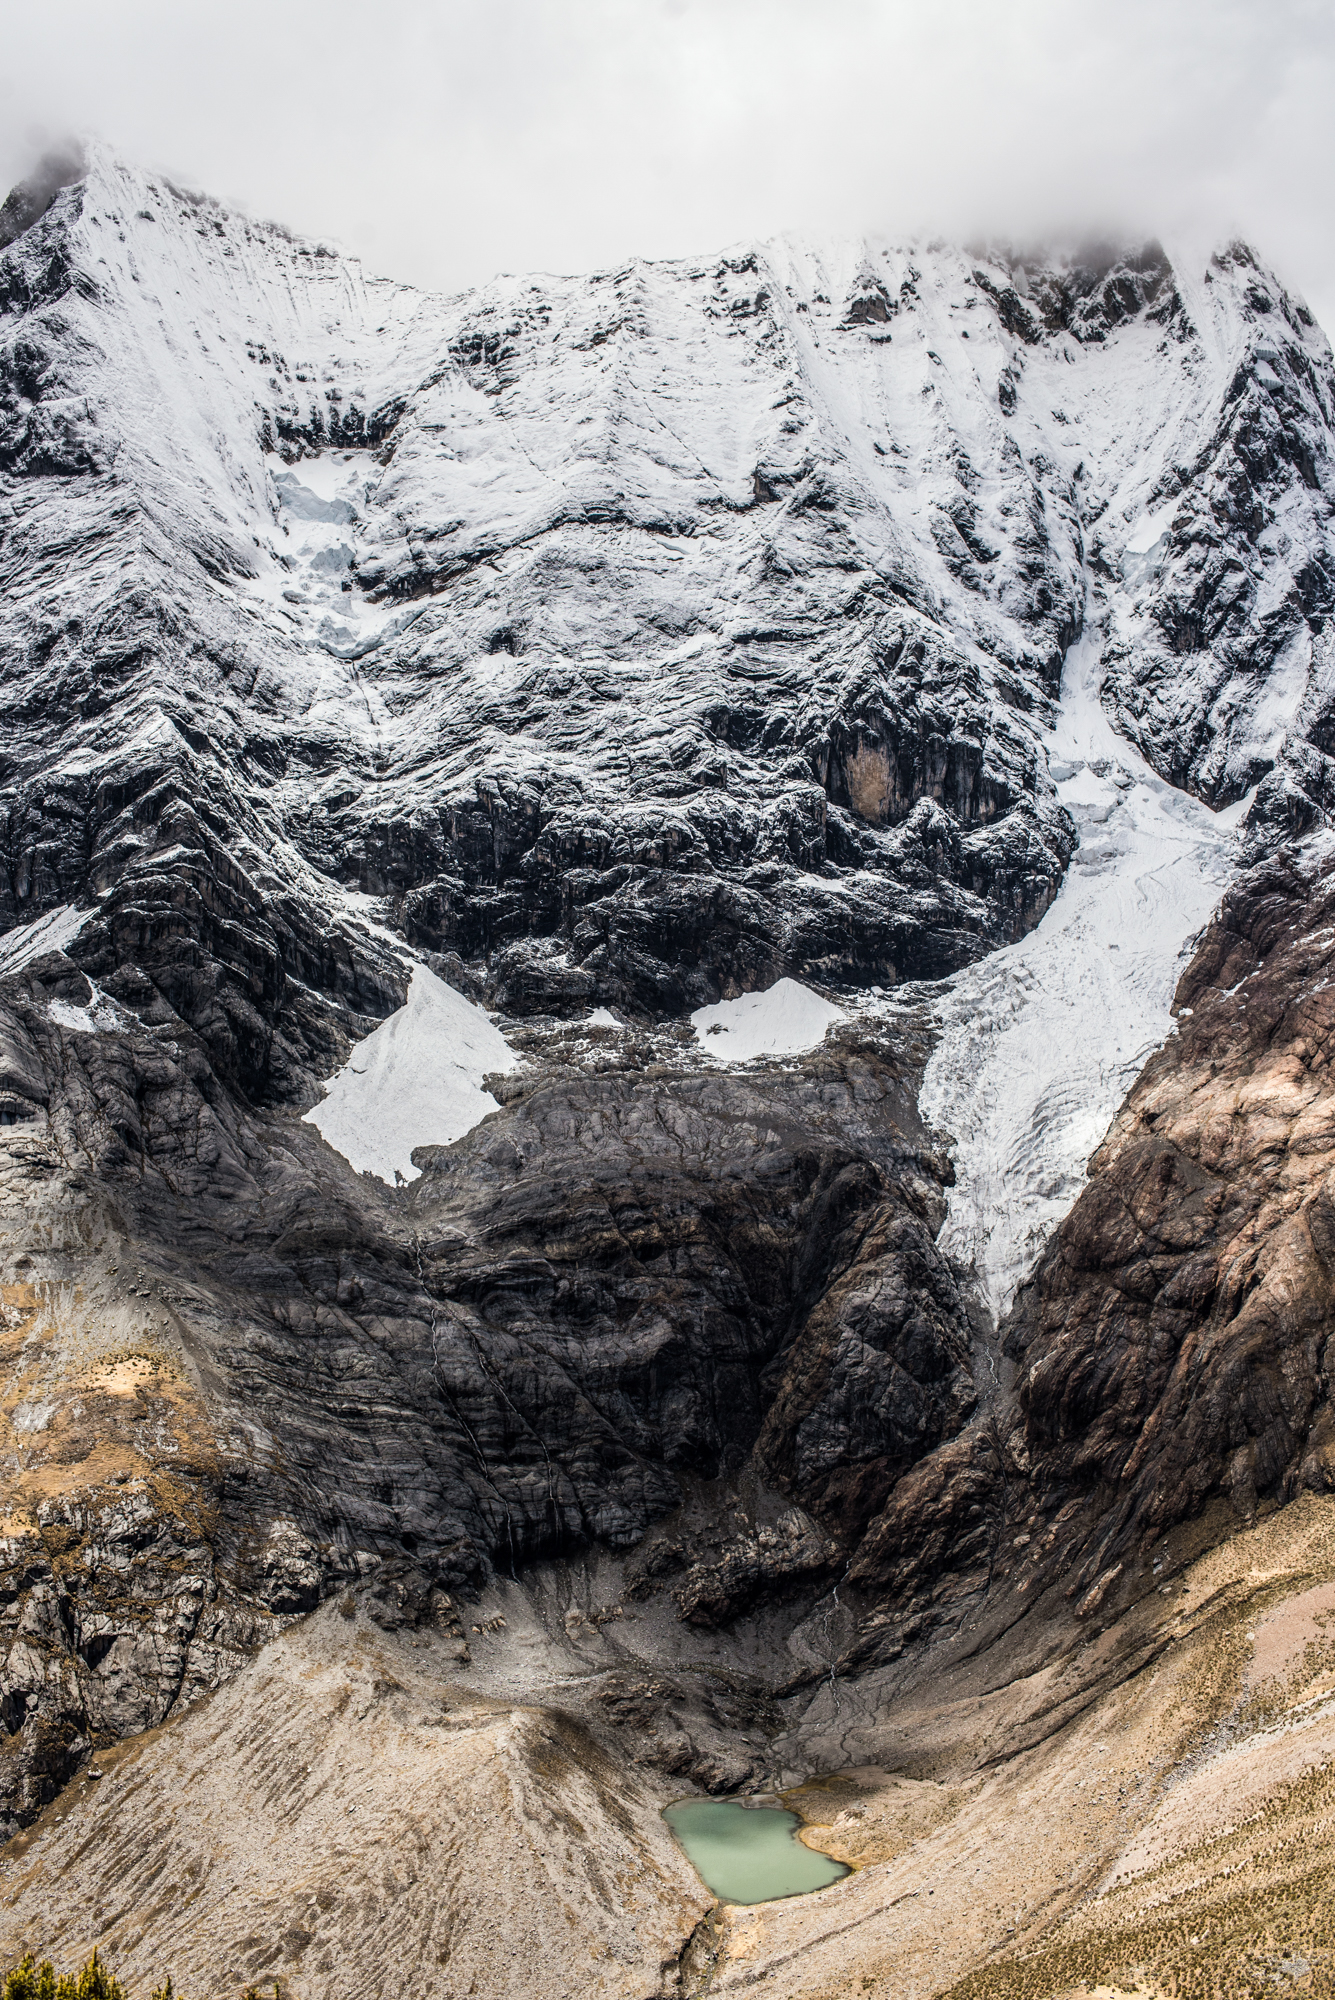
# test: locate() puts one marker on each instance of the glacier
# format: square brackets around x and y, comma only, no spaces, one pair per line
[1039,1043]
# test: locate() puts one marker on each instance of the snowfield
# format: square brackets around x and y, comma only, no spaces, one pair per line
[416,1081]
[755,569]
[785,1020]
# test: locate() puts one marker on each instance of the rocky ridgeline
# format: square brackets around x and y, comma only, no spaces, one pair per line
[636,638]
[630,640]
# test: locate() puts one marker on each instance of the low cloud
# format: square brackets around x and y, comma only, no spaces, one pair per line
[443,142]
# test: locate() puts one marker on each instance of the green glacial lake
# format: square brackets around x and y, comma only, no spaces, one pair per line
[749,1854]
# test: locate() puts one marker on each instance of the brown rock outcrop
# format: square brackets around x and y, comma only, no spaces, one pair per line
[1175,1342]
[1171,1352]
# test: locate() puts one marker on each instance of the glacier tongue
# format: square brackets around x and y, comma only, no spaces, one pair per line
[1040,1042]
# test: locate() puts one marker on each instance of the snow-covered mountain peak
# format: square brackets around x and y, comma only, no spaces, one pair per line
[647,636]
[713,662]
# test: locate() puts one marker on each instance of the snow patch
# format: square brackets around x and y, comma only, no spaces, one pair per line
[30,1417]
[97,1018]
[306,574]
[783,1021]
[415,1081]
[365,912]
[1040,1042]
[602,1017]
[1232,816]
[52,932]
[1150,530]
[1274,705]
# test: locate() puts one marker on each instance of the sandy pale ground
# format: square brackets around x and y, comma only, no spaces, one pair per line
[1179,1835]
[341,1819]
[345,1818]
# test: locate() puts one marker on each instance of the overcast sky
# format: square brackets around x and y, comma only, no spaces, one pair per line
[445,141]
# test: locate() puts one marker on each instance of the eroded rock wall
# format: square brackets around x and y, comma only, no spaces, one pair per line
[595,1304]
[1168,1363]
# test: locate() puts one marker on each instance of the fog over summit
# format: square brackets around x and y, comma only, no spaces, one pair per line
[530,135]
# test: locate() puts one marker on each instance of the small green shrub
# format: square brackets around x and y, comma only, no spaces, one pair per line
[37,1980]
[33,1981]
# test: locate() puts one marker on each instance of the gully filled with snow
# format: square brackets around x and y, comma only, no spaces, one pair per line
[1040,1042]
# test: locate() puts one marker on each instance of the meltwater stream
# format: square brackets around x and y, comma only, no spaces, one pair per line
[1040,1042]
[749,1854]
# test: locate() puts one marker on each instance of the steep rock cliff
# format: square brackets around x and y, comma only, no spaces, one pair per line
[633,641]
[1168,1365]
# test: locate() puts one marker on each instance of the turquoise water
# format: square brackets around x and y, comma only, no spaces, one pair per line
[749,1854]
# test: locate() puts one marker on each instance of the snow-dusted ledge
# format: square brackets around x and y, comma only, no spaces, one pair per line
[51,932]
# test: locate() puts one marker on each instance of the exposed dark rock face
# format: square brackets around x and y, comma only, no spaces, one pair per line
[577,1314]
[1206,643]
[574,639]
[111,1615]
[878,1378]
[30,200]
[1171,1353]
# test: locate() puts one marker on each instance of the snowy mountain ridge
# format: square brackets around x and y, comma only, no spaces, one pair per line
[639,638]
[492,788]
